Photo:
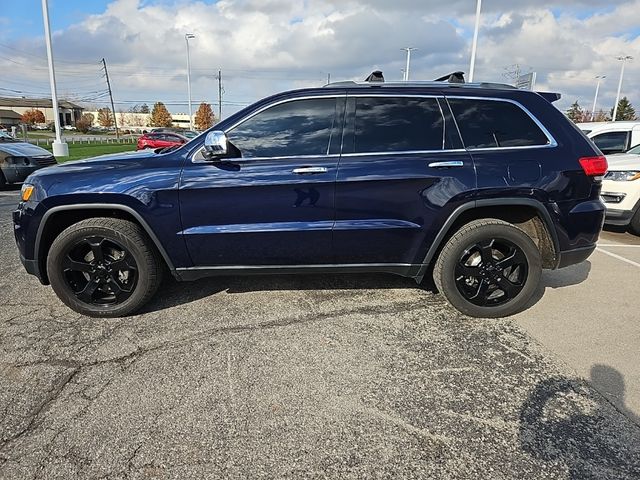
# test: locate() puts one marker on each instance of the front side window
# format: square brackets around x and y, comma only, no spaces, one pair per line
[299,127]
[397,124]
[495,124]
[611,142]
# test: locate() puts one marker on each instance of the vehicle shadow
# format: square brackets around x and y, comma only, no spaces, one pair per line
[563,422]
[564,277]
[173,293]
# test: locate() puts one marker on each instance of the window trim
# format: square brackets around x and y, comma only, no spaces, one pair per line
[552,143]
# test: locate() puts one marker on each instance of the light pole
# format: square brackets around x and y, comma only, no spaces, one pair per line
[187,36]
[595,100]
[474,45]
[406,70]
[60,149]
[623,59]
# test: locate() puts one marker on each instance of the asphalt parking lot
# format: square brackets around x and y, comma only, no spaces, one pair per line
[363,376]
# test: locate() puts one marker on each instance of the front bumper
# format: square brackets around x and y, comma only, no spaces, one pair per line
[621,218]
[622,200]
[18,173]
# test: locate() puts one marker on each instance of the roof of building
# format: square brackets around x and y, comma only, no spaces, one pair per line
[9,114]
[35,102]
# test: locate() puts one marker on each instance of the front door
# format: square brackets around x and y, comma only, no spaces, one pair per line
[273,204]
[402,171]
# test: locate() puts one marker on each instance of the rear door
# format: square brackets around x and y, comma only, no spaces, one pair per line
[402,171]
[274,204]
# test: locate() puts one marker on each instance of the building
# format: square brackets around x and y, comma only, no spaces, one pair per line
[139,122]
[9,118]
[69,112]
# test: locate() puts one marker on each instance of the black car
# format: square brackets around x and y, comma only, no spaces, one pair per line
[19,159]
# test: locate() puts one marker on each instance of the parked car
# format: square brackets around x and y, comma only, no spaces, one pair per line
[180,131]
[160,140]
[19,159]
[621,191]
[479,185]
[612,137]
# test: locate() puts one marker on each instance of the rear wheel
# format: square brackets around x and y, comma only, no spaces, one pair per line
[489,268]
[103,267]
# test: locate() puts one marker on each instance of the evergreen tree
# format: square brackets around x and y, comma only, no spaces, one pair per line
[576,113]
[160,116]
[625,110]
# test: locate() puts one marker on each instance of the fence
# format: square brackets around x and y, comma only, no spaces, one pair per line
[82,139]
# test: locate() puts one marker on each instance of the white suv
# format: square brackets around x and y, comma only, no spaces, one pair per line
[621,190]
[612,137]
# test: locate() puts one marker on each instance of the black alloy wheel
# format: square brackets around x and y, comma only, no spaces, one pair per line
[100,271]
[491,272]
[104,267]
[489,268]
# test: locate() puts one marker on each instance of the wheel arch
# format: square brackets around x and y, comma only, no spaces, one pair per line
[528,213]
[56,219]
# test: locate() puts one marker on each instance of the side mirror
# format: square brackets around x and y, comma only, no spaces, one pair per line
[215,144]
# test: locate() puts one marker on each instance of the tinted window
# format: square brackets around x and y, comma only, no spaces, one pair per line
[489,123]
[300,127]
[398,124]
[611,142]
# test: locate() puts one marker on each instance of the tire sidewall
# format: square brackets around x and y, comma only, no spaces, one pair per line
[69,238]
[499,231]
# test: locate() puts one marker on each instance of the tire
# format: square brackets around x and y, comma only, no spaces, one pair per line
[488,269]
[104,267]
[634,225]
[3,181]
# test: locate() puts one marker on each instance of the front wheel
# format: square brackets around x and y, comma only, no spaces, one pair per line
[489,268]
[104,267]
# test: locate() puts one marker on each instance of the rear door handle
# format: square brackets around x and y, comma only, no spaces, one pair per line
[309,170]
[452,163]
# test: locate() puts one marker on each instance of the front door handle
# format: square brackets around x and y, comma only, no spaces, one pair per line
[309,170]
[453,163]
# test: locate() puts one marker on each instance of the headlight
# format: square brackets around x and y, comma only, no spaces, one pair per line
[26,192]
[622,176]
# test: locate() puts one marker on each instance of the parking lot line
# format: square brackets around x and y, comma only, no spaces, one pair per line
[619,257]
[617,245]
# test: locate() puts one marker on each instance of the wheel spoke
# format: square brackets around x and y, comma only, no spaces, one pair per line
[70,264]
[515,259]
[509,288]
[96,248]
[466,271]
[486,251]
[86,294]
[482,293]
[123,264]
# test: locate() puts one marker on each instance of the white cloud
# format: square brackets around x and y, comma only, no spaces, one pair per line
[263,46]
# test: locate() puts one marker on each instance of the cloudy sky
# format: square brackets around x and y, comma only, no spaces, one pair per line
[264,46]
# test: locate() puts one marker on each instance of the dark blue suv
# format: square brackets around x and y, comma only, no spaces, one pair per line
[479,185]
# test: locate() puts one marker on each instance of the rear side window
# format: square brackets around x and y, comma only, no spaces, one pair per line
[494,124]
[396,124]
[611,142]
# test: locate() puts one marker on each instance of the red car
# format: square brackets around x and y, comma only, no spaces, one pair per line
[160,140]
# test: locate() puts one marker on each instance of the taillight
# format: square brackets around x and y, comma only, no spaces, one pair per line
[594,166]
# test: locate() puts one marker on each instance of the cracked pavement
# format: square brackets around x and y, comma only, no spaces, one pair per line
[362,376]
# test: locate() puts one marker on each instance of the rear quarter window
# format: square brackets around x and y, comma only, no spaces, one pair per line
[495,124]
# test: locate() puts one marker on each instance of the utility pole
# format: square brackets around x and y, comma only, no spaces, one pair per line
[595,100]
[187,36]
[474,45]
[623,59]
[328,78]
[406,70]
[219,95]
[60,148]
[113,109]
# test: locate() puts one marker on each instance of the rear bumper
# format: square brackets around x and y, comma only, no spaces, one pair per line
[577,255]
